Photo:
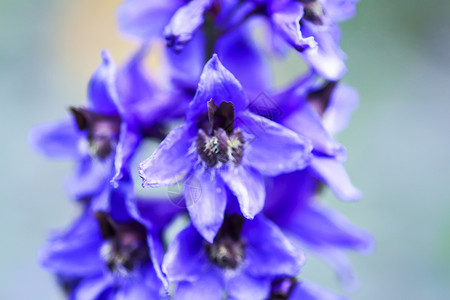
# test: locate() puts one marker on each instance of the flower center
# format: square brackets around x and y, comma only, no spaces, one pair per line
[219,142]
[125,244]
[313,11]
[103,131]
[228,249]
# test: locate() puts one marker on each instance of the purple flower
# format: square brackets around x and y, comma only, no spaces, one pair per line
[237,261]
[113,249]
[318,228]
[222,144]
[89,136]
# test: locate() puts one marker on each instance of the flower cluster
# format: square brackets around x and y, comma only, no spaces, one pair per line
[252,157]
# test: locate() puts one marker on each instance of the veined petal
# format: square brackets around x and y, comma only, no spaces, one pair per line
[217,83]
[206,199]
[60,139]
[171,162]
[307,122]
[145,20]
[102,95]
[271,148]
[244,286]
[185,258]
[286,17]
[186,20]
[332,172]
[248,186]
[276,256]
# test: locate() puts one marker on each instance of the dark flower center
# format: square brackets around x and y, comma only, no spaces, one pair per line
[125,244]
[320,98]
[228,249]
[282,288]
[218,141]
[103,130]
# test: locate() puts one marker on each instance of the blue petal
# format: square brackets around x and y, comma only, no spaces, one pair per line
[244,286]
[276,256]
[248,186]
[102,96]
[157,254]
[310,291]
[96,287]
[145,20]
[343,102]
[185,22]
[290,152]
[185,258]
[172,160]
[307,122]
[332,172]
[208,287]
[90,177]
[217,83]
[129,141]
[60,139]
[206,199]
[327,59]
[76,250]
[286,21]
[139,288]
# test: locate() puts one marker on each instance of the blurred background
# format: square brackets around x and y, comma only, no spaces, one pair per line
[398,140]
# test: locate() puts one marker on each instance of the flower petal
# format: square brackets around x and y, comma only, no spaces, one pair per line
[208,287]
[311,291]
[274,257]
[76,250]
[290,152]
[129,141]
[145,20]
[206,199]
[60,139]
[102,95]
[334,175]
[307,122]
[216,83]
[185,258]
[89,178]
[327,59]
[186,20]
[322,226]
[93,288]
[343,102]
[340,10]
[172,161]
[240,53]
[286,17]
[243,286]
[248,186]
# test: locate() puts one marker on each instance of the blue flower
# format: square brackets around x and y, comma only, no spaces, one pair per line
[222,144]
[237,262]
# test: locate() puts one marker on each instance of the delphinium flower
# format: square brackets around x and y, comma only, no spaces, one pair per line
[222,144]
[251,178]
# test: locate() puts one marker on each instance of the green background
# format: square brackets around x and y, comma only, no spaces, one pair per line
[398,140]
